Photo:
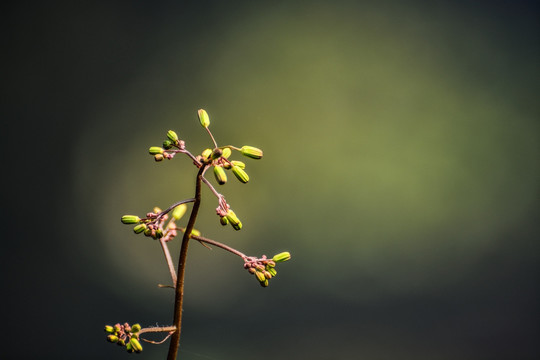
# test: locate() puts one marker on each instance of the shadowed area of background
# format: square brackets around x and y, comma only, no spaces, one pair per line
[401,171]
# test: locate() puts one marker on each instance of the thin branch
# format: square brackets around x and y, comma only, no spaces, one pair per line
[166,211]
[168,258]
[169,329]
[179,298]
[219,245]
[163,243]
[212,136]
[157,329]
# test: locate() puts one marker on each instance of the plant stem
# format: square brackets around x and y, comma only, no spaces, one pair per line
[179,298]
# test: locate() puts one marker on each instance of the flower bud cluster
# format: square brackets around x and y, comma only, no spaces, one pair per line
[171,146]
[125,335]
[154,226]
[264,269]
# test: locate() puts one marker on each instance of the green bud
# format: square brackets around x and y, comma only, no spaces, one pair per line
[112,338]
[240,164]
[220,175]
[204,118]
[260,276]
[223,220]
[195,232]
[264,283]
[272,271]
[284,256]
[251,152]
[233,219]
[206,153]
[172,136]
[121,342]
[154,150]
[226,153]
[129,348]
[109,329]
[179,211]
[167,144]
[159,233]
[135,344]
[136,328]
[240,174]
[148,231]
[139,228]
[130,219]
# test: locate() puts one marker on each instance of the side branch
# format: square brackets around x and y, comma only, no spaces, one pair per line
[219,245]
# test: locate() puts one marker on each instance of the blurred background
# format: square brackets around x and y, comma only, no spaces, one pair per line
[401,170]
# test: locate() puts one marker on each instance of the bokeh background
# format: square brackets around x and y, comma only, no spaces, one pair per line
[401,170]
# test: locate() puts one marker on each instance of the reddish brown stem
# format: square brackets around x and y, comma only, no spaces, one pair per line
[179,298]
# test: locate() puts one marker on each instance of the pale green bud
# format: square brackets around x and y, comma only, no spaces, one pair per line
[260,276]
[154,150]
[135,344]
[226,153]
[251,152]
[264,283]
[172,136]
[240,164]
[240,174]
[284,256]
[179,211]
[139,228]
[195,232]
[223,220]
[109,329]
[129,347]
[130,219]
[112,338]
[204,118]
[233,219]
[206,153]
[272,271]
[220,175]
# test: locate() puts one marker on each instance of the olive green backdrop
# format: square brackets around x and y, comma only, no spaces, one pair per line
[401,171]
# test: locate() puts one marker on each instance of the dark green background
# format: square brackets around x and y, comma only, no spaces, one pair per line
[401,170]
